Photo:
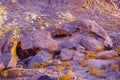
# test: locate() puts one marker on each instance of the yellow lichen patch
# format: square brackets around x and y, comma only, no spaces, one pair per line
[65,64]
[117,48]
[13,1]
[93,70]
[4,73]
[114,66]
[83,63]
[88,3]
[59,68]
[13,52]
[64,77]
[36,65]
[90,56]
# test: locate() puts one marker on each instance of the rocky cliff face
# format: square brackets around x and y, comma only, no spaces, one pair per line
[59,39]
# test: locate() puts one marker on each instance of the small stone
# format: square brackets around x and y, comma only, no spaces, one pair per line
[66,54]
[106,55]
[14,72]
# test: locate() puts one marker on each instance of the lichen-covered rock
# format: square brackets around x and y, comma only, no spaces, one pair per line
[106,55]
[40,58]
[66,54]
[8,52]
[39,39]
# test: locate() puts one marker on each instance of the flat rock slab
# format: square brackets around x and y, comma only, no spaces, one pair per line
[98,63]
[106,55]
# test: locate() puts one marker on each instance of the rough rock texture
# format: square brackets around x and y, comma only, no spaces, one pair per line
[78,56]
[78,30]
[99,63]
[39,39]
[91,44]
[106,55]
[8,52]
[2,66]
[41,58]
[66,54]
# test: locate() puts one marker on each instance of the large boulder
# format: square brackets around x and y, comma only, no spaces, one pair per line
[39,39]
[91,43]
[90,26]
[41,58]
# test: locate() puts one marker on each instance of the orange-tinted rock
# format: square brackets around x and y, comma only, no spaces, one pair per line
[106,55]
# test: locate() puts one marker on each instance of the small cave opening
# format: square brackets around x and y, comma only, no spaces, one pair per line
[56,54]
[23,54]
[60,36]
[108,47]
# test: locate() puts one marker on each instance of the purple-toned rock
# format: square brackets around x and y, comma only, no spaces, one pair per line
[99,63]
[8,52]
[91,43]
[14,72]
[66,44]
[66,54]
[106,55]
[78,56]
[39,39]
[40,57]
[90,26]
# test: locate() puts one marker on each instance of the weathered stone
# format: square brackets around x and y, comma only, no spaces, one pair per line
[99,63]
[78,56]
[91,43]
[41,57]
[8,52]
[106,55]
[14,72]
[76,38]
[1,66]
[39,39]
[66,44]
[80,48]
[66,54]
[91,26]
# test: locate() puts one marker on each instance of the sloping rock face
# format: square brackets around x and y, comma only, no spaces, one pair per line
[38,39]
[62,39]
